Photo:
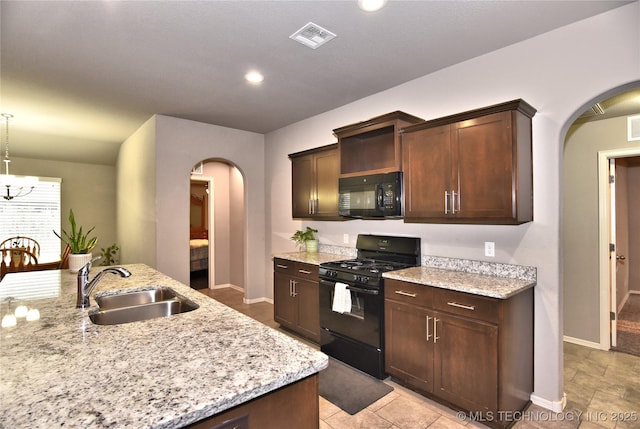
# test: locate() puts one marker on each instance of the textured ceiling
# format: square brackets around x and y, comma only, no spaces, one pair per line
[81,76]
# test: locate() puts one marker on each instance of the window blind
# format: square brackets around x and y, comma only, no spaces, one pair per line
[35,215]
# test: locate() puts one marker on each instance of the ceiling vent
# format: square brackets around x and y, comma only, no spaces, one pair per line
[312,35]
[595,110]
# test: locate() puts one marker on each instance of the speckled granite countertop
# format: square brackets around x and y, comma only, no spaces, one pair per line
[477,277]
[477,284]
[311,257]
[64,371]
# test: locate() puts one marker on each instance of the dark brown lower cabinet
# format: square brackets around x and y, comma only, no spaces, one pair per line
[470,352]
[466,362]
[293,406]
[295,297]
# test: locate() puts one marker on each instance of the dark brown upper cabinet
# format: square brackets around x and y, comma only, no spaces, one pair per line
[372,146]
[314,183]
[473,167]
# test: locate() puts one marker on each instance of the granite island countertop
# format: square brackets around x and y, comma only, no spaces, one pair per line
[477,284]
[62,370]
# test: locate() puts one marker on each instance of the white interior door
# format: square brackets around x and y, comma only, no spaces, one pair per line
[612,251]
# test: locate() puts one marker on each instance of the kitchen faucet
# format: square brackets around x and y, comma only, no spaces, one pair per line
[85,287]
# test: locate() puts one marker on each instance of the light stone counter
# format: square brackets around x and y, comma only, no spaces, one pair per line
[64,371]
[477,284]
[312,258]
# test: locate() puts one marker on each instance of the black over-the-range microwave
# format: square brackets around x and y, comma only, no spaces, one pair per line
[372,196]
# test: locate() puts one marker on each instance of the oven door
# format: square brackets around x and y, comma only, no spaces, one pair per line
[363,323]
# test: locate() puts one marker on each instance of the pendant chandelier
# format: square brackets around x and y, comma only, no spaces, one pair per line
[15,186]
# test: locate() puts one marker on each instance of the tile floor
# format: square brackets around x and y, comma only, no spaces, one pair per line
[603,391]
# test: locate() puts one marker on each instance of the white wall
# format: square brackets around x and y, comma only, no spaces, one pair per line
[227,234]
[237,223]
[580,223]
[136,188]
[180,145]
[560,73]
[633,258]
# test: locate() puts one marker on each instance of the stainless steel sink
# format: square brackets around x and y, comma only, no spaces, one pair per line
[135,297]
[136,313]
[138,305]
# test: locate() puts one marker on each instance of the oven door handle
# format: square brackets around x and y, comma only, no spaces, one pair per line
[365,291]
[330,283]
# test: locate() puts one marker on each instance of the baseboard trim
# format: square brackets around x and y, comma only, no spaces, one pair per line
[227,285]
[582,342]
[555,406]
[624,301]
[240,289]
[255,300]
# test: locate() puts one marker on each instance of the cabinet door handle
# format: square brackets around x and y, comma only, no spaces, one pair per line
[427,324]
[282,266]
[446,202]
[453,202]
[304,272]
[435,330]
[310,206]
[466,307]
[295,284]
[403,293]
[290,287]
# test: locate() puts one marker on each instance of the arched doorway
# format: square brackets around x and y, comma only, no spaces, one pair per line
[592,140]
[217,221]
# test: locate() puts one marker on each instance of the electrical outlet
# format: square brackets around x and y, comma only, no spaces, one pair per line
[345,238]
[489,248]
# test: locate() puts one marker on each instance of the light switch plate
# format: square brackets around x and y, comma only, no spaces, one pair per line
[345,238]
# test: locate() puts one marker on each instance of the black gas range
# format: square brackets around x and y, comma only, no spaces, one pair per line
[352,300]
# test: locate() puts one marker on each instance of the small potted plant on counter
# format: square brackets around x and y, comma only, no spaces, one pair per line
[79,243]
[306,239]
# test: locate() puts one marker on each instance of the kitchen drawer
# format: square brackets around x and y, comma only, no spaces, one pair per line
[466,304]
[298,269]
[410,293]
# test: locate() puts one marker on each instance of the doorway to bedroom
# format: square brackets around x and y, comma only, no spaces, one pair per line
[217,225]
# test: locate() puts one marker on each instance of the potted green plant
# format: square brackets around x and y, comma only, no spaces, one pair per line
[80,244]
[110,255]
[306,239]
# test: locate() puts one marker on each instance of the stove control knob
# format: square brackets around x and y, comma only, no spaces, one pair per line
[332,273]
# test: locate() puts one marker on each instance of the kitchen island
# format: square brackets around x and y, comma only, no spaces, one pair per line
[169,372]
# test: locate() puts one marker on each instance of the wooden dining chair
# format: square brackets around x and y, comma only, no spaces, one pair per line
[17,259]
[23,242]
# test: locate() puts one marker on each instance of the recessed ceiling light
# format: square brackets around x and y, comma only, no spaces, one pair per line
[254,77]
[371,5]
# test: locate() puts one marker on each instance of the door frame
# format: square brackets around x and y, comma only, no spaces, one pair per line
[606,227]
[211,226]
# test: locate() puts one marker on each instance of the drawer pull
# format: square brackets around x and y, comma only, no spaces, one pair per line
[282,266]
[304,272]
[466,307]
[403,293]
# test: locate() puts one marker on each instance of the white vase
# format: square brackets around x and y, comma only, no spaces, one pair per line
[77,261]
